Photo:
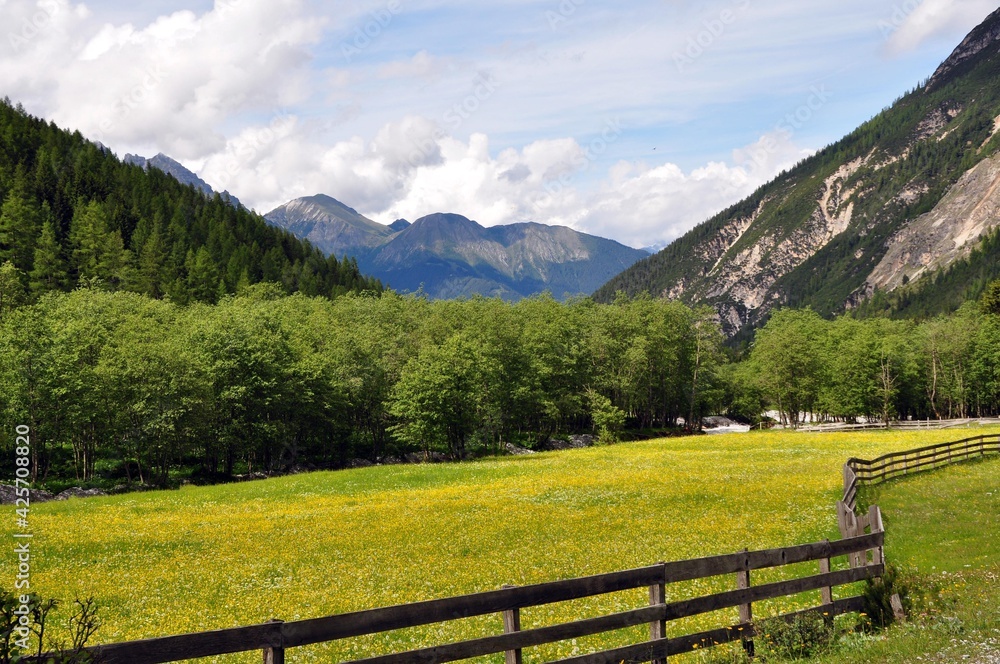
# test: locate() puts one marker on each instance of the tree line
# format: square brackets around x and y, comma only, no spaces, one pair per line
[121,386]
[874,368]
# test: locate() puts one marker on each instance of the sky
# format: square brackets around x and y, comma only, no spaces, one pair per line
[633,119]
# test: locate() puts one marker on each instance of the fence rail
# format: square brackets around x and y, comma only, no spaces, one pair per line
[896,464]
[900,424]
[864,553]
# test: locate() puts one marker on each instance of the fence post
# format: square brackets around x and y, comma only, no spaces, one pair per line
[511,624]
[658,628]
[826,593]
[275,655]
[875,518]
[746,610]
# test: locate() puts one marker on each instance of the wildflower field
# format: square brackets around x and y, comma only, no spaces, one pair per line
[317,544]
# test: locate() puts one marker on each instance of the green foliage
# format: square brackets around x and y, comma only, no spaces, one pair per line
[12,293]
[49,271]
[122,388]
[608,418]
[788,363]
[877,594]
[877,369]
[805,635]
[724,654]
[73,215]
[989,303]
[23,623]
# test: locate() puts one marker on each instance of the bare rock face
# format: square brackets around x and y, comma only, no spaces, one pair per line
[745,273]
[949,232]
[839,225]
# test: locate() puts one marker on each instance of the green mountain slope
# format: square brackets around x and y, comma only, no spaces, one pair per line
[848,222]
[74,214]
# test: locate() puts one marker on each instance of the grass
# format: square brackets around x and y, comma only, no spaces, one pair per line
[943,529]
[203,558]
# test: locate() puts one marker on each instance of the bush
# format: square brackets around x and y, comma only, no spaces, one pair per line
[804,635]
[877,594]
[608,418]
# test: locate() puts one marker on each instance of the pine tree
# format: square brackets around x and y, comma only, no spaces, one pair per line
[115,262]
[20,220]
[203,276]
[989,302]
[49,272]
[152,259]
[88,232]
[11,288]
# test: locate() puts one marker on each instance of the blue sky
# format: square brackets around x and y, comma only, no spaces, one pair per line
[634,120]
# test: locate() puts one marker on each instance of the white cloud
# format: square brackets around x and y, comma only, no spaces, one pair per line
[485,110]
[642,205]
[174,83]
[912,22]
[413,168]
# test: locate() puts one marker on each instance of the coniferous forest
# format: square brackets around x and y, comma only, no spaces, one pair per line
[73,215]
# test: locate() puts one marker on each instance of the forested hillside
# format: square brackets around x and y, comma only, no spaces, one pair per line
[848,223]
[74,215]
[944,290]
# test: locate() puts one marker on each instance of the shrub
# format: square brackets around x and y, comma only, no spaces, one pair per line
[877,594]
[802,636]
[608,418]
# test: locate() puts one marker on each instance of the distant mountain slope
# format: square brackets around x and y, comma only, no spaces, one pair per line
[330,225]
[449,255]
[180,173]
[847,222]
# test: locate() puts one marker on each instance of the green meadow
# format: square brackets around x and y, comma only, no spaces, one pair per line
[310,545]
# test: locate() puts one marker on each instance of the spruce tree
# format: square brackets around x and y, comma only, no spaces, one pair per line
[152,259]
[20,221]
[203,276]
[49,272]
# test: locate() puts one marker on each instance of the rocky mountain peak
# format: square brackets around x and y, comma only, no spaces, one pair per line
[981,38]
[180,173]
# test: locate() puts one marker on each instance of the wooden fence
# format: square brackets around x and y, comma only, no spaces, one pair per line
[900,424]
[889,466]
[864,553]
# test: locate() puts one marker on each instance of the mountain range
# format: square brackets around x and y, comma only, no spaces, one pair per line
[884,215]
[448,255]
[900,217]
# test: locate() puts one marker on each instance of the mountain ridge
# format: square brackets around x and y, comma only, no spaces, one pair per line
[448,255]
[180,173]
[816,234]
